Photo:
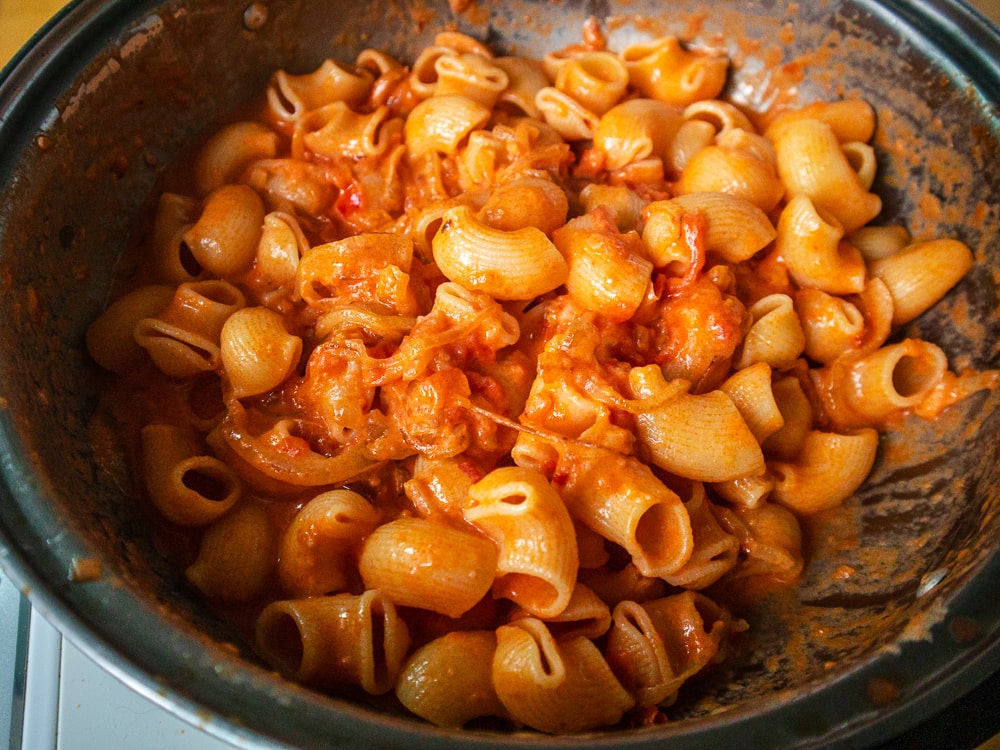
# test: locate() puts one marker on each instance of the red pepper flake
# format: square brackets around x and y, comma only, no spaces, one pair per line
[351,200]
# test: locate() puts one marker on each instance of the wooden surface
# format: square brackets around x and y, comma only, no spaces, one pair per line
[19,19]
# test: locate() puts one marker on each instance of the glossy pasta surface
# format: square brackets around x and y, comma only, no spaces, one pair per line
[481,382]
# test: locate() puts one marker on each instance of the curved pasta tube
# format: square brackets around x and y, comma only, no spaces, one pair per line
[832,325]
[596,79]
[282,244]
[693,627]
[862,159]
[701,437]
[692,136]
[654,647]
[337,131]
[775,336]
[921,274]
[229,151]
[358,269]
[637,656]
[586,614]
[829,469]
[607,271]
[526,202]
[810,241]
[172,259]
[314,553]
[555,686]
[525,78]
[440,485]
[882,385]
[715,549]
[187,486]
[204,307]
[470,75]
[811,162]
[111,340]
[224,238]
[183,340]
[236,558]
[388,73]
[849,119]
[423,78]
[478,163]
[554,59]
[440,124]
[428,221]
[797,415]
[616,586]
[735,229]
[770,540]
[876,306]
[564,114]
[751,392]
[257,352]
[662,69]
[278,455]
[428,565]
[734,168]
[625,204]
[876,242]
[515,265]
[449,681]
[290,96]
[635,130]
[423,72]
[746,492]
[327,641]
[666,234]
[619,497]
[721,115]
[177,352]
[520,511]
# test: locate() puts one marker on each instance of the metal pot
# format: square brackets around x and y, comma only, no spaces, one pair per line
[109,94]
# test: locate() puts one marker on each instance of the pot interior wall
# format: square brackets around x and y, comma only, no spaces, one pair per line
[86,150]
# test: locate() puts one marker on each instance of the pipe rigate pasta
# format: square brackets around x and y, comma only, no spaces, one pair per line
[520,511]
[449,681]
[492,383]
[342,639]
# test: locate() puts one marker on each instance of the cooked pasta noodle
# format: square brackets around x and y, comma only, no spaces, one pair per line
[484,381]
[449,681]
[329,640]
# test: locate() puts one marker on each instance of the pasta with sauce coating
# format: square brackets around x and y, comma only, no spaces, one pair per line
[493,383]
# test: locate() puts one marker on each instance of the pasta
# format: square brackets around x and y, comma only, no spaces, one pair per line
[432,687]
[527,519]
[329,640]
[476,383]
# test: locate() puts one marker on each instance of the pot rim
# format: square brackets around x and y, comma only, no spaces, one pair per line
[972,45]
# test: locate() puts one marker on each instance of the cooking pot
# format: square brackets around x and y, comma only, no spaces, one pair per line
[111,93]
